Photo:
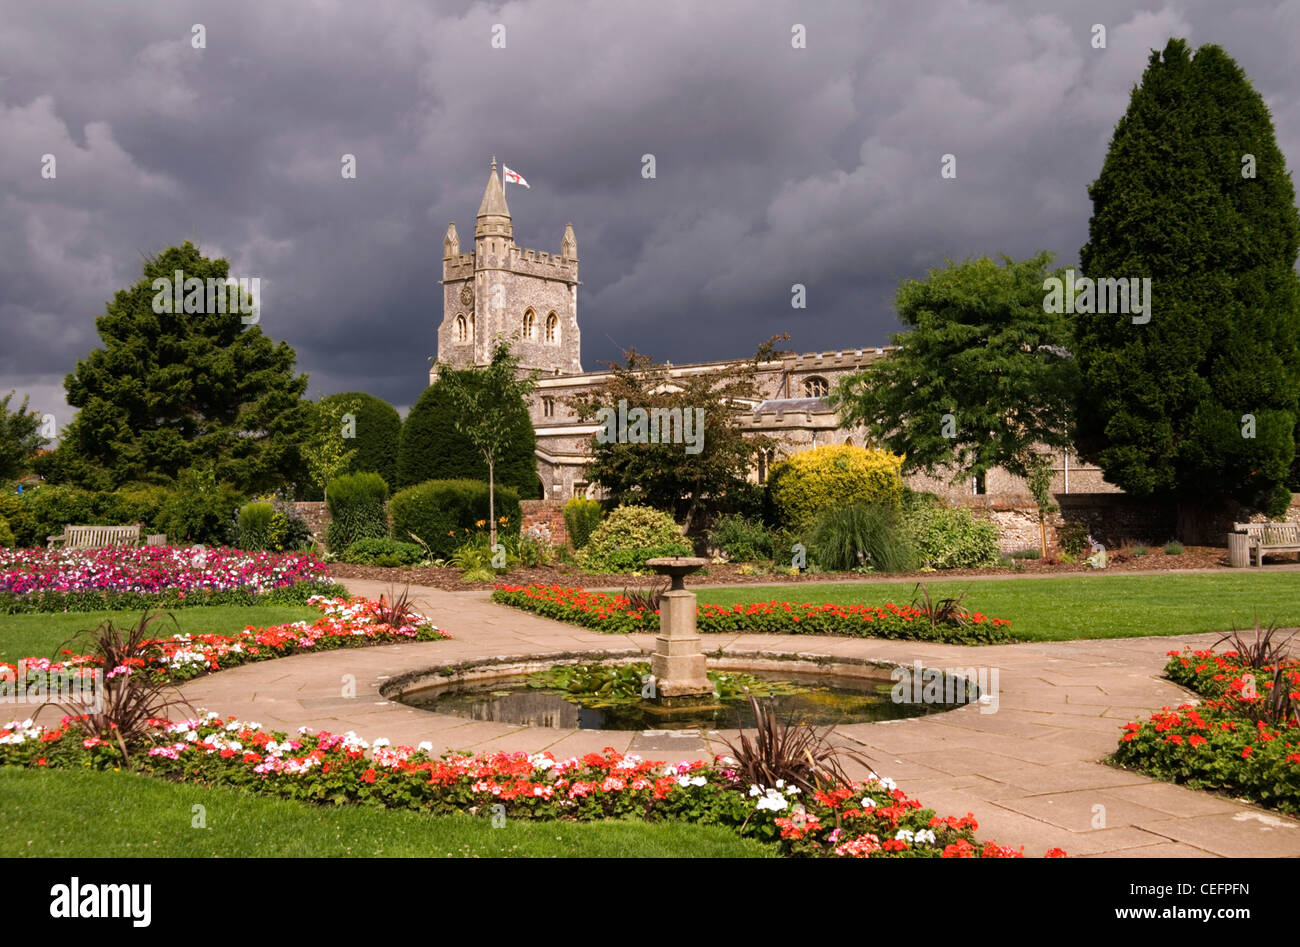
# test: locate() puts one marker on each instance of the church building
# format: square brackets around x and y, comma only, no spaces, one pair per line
[530,298]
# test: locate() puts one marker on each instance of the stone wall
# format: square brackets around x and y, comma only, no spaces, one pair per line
[550,512]
[1112,519]
[316,515]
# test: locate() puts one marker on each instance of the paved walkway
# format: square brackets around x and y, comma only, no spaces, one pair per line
[1029,771]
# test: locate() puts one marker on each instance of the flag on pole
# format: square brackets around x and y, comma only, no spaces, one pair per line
[512,177]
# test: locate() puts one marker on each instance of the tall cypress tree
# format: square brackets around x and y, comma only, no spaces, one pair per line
[430,447]
[378,430]
[1201,402]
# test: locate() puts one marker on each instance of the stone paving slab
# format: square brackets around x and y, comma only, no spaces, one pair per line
[1029,771]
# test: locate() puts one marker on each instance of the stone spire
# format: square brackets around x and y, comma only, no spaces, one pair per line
[493,214]
[569,246]
[451,242]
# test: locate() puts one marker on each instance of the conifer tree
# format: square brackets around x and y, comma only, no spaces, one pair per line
[1199,403]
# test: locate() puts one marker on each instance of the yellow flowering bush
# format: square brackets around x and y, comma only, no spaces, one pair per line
[834,475]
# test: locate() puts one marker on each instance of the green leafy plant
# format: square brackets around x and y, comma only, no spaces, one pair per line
[383,552]
[861,536]
[630,535]
[742,539]
[253,526]
[1072,537]
[607,685]
[356,506]
[1026,554]
[951,538]
[6,534]
[581,517]
[1174,548]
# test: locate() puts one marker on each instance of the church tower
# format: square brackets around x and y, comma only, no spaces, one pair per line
[500,290]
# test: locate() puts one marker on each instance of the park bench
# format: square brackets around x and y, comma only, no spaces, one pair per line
[96,537]
[1269,538]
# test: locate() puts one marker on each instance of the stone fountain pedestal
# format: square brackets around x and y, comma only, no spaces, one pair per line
[677,661]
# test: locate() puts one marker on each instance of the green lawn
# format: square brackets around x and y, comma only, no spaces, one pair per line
[1083,606]
[63,813]
[40,635]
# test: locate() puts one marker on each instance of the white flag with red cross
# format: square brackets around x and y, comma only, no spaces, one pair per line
[512,177]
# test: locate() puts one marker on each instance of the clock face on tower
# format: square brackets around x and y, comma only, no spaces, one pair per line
[467,295]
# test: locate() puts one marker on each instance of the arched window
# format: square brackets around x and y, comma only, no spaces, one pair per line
[461,330]
[471,327]
[552,329]
[815,386]
[530,325]
[548,407]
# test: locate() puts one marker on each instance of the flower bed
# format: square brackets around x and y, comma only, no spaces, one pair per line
[42,580]
[615,614]
[1223,744]
[874,820]
[344,623]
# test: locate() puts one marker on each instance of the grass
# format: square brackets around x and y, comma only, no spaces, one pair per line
[87,814]
[41,634]
[1083,606]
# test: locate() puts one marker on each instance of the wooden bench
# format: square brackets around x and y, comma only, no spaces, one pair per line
[96,537]
[1270,537]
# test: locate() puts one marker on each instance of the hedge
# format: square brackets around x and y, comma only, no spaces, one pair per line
[444,513]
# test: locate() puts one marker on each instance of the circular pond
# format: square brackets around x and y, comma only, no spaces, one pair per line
[805,697]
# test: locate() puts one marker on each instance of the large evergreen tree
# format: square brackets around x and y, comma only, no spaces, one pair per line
[20,438]
[173,390]
[1200,402]
[431,448]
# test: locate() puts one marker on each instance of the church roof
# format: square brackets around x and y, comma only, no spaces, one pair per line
[494,198]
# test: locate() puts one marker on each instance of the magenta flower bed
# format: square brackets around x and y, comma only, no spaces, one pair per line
[153,569]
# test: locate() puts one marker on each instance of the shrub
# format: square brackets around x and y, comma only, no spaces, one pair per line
[441,512]
[6,534]
[630,535]
[134,503]
[1027,553]
[55,507]
[1073,538]
[836,475]
[200,510]
[1174,548]
[861,536]
[951,538]
[17,510]
[1140,551]
[356,507]
[289,531]
[474,558]
[253,526]
[534,546]
[383,552]
[743,540]
[581,517]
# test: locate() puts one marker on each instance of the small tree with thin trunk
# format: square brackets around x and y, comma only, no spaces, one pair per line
[1040,486]
[480,398]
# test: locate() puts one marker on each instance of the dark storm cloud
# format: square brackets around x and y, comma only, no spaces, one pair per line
[775,165]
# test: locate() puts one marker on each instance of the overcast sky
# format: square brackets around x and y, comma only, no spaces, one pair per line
[774,165]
